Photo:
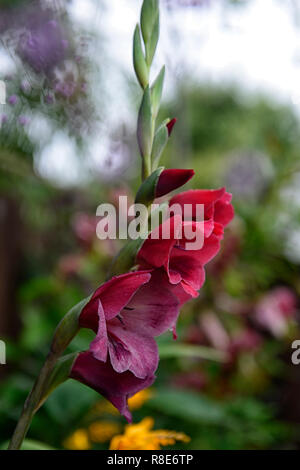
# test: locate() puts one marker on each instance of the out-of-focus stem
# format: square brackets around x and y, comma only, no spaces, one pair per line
[65,332]
[32,402]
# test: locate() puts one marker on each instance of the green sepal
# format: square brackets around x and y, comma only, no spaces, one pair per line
[125,260]
[159,143]
[59,375]
[144,127]
[151,46]
[139,61]
[67,328]
[147,190]
[156,92]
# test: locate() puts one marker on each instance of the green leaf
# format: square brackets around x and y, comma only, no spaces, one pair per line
[156,92]
[139,61]
[144,128]
[146,192]
[169,350]
[159,143]
[188,406]
[64,408]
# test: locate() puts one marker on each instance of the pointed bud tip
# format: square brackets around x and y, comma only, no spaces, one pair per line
[170,125]
[171,179]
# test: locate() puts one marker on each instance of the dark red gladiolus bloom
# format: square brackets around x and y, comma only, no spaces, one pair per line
[172,179]
[216,202]
[126,313]
[102,377]
[170,125]
[182,265]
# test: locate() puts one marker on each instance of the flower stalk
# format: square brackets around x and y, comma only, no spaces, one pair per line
[65,332]
[31,403]
[143,55]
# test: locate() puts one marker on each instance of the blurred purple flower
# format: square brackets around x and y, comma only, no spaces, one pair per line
[13,99]
[43,46]
[4,118]
[66,89]
[39,33]
[49,99]
[66,79]
[23,120]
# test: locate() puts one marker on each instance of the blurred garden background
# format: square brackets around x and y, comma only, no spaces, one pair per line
[67,144]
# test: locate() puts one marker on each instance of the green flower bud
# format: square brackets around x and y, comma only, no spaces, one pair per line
[156,92]
[139,62]
[150,27]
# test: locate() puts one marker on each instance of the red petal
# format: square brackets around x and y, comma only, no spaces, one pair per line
[130,350]
[224,211]
[114,296]
[170,125]
[207,197]
[100,376]
[99,346]
[154,309]
[155,251]
[172,179]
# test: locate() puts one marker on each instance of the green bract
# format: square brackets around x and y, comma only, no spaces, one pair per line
[139,62]
[156,92]
[160,141]
[125,259]
[147,190]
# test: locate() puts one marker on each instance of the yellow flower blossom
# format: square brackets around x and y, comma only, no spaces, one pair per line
[139,399]
[142,437]
[105,407]
[102,431]
[134,403]
[79,440]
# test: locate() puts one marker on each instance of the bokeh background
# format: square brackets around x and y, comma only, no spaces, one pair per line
[67,144]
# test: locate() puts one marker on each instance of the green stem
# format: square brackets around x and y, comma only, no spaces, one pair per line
[147,161]
[146,167]
[65,332]
[32,402]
